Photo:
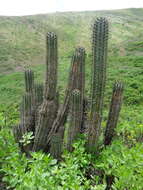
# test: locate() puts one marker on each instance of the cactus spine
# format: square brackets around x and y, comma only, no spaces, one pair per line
[115,108]
[99,50]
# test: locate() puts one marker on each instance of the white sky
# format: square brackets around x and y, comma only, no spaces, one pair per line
[26,7]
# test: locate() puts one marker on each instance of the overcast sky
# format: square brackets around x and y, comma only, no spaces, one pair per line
[26,7]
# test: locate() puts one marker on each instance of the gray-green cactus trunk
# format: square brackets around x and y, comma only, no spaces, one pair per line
[99,51]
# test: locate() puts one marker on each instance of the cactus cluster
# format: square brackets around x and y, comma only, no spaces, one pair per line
[42,114]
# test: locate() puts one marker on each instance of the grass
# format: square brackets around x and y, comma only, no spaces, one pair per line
[22,40]
[128,69]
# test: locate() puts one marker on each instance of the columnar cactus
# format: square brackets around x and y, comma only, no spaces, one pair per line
[79,69]
[115,108]
[47,110]
[29,81]
[99,51]
[38,94]
[56,143]
[85,119]
[51,67]
[27,105]
[76,80]
[38,91]
[27,119]
[26,111]
[75,120]
[79,78]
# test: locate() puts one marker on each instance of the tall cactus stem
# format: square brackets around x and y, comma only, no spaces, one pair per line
[99,50]
[85,118]
[38,101]
[38,94]
[56,144]
[51,66]
[48,108]
[29,81]
[75,120]
[26,111]
[76,73]
[27,121]
[115,108]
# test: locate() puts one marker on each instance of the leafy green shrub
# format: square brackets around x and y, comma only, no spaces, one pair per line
[41,171]
[126,164]
[77,170]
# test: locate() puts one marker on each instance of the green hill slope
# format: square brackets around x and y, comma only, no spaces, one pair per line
[22,39]
[22,44]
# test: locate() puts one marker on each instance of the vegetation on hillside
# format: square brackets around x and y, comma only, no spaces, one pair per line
[22,46]
[22,38]
[42,172]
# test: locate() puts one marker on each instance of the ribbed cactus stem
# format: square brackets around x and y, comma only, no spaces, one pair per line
[26,111]
[115,108]
[76,80]
[30,96]
[56,145]
[99,50]
[85,119]
[51,66]
[27,119]
[38,94]
[29,80]
[79,78]
[57,104]
[38,100]
[48,109]
[75,120]
[79,69]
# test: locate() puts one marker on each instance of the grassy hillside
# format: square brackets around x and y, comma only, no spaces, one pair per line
[22,44]
[127,69]
[22,39]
